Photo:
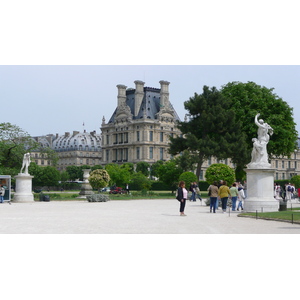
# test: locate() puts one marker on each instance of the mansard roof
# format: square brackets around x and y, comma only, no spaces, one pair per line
[82,141]
[150,105]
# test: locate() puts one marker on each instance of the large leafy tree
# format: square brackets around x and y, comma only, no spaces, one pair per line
[169,173]
[217,172]
[14,142]
[50,176]
[248,99]
[186,161]
[212,129]
[143,167]
[118,175]
[188,178]
[74,172]
[141,181]
[154,168]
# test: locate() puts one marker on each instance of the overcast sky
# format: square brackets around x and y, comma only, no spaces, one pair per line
[57,99]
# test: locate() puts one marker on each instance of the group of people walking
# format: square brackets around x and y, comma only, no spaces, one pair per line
[216,191]
[286,193]
[220,191]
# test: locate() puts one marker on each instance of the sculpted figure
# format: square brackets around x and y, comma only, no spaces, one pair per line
[263,130]
[259,155]
[257,151]
[26,163]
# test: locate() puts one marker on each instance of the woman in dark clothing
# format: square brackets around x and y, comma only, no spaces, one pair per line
[181,197]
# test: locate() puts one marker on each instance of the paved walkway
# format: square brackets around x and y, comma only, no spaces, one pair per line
[134,216]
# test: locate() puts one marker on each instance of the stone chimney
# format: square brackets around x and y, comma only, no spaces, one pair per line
[121,94]
[164,93]
[139,95]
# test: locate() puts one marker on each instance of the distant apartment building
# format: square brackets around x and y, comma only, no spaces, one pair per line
[76,149]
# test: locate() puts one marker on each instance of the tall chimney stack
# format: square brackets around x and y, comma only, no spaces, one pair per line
[121,93]
[139,95]
[164,93]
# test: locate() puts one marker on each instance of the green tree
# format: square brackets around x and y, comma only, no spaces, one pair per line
[129,167]
[96,167]
[188,178]
[36,171]
[217,172]
[118,175]
[296,181]
[74,172]
[186,161]
[169,173]
[143,167]
[14,143]
[99,179]
[49,176]
[141,181]
[64,176]
[248,99]
[154,168]
[212,129]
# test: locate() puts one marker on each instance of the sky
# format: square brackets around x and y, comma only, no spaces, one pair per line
[44,99]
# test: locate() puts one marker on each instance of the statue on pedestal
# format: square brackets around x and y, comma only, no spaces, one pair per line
[26,163]
[259,156]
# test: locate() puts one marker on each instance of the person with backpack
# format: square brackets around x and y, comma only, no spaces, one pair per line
[288,192]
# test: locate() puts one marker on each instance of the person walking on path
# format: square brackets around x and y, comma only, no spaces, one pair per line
[193,190]
[213,192]
[234,194]
[182,194]
[241,197]
[224,193]
[198,192]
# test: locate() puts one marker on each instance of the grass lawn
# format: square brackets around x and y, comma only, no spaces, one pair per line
[290,215]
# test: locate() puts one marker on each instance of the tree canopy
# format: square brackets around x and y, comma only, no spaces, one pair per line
[99,179]
[212,129]
[217,172]
[248,99]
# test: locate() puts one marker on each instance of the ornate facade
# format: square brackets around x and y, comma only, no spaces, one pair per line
[140,127]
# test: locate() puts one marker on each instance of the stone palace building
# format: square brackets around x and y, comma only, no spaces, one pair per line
[140,127]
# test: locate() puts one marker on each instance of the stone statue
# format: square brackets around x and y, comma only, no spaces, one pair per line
[263,130]
[257,151]
[26,163]
[259,156]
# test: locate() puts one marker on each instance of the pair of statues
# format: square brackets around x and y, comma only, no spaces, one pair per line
[259,155]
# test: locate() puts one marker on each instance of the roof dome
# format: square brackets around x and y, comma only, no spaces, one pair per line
[82,141]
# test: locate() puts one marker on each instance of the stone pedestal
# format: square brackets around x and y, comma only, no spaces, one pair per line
[260,191]
[86,188]
[23,188]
